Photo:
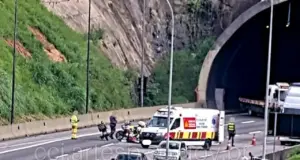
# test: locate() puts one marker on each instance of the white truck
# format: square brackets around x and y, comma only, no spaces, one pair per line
[288,119]
[193,126]
[277,93]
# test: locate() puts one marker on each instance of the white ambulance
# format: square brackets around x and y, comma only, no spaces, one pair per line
[194,126]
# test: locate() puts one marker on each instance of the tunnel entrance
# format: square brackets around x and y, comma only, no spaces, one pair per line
[240,67]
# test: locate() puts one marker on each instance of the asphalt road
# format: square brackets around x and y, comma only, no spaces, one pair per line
[89,146]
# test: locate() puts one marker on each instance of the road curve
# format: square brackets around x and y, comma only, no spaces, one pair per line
[89,147]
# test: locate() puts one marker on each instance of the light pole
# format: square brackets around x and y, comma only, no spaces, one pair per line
[14,67]
[275,132]
[143,54]
[268,81]
[170,79]
[88,61]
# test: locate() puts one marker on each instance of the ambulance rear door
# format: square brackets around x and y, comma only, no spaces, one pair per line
[221,129]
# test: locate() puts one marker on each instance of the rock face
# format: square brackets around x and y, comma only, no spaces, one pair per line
[122,22]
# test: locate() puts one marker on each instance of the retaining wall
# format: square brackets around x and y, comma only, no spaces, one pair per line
[283,154]
[86,120]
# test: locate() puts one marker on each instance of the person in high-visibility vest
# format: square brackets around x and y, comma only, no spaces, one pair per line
[231,131]
[74,121]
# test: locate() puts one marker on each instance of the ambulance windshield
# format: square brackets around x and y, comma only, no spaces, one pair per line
[159,122]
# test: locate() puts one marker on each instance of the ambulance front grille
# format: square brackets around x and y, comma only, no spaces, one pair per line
[148,135]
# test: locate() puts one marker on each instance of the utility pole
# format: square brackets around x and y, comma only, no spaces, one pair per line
[268,81]
[143,54]
[170,80]
[88,61]
[14,67]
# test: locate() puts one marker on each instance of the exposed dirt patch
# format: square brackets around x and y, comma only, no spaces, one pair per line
[19,47]
[49,48]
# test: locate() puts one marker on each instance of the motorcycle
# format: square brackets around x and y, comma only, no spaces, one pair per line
[129,132]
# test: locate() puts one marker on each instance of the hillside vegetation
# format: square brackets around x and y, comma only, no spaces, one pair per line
[51,67]
[294,154]
[186,69]
[187,63]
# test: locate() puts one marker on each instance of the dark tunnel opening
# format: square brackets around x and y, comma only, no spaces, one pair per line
[241,65]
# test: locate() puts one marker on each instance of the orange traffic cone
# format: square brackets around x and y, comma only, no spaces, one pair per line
[253,142]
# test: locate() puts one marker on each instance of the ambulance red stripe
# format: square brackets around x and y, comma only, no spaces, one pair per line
[172,135]
[180,135]
[203,135]
[194,135]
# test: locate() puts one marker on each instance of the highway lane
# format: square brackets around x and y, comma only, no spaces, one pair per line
[247,124]
[242,148]
[51,145]
[59,145]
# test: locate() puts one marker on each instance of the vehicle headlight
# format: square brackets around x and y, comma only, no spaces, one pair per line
[159,153]
[173,154]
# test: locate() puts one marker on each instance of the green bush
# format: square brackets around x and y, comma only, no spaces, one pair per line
[51,88]
[294,154]
[186,69]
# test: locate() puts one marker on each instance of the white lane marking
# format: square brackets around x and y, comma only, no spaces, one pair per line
[149,152]
[85,150]
[246,122]
[61,156]
[47,142]
[206,156]
[254,132]
[110,144]
[20,144]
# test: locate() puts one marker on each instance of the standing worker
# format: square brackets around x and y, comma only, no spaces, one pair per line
[74,121]
[231,131]
[113,124]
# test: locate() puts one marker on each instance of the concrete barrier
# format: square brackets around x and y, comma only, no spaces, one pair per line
[282,154]
[86,120]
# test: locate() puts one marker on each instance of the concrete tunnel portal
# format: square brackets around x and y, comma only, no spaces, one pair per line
[238,61]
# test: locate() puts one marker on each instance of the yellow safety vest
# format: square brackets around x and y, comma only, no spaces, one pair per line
[231,127]
[74,120]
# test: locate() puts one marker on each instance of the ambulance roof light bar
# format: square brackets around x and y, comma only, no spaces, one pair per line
[172,108]
[176,108]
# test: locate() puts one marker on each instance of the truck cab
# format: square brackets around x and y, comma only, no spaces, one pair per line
[277,94]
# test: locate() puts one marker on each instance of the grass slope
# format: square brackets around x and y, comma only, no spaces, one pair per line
[45,88]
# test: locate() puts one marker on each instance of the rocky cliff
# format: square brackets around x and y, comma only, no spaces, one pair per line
[121,21]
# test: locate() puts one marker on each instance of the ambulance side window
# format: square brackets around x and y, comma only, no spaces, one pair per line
[176,124]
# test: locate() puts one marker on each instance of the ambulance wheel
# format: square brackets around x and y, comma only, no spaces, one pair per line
[145,146]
